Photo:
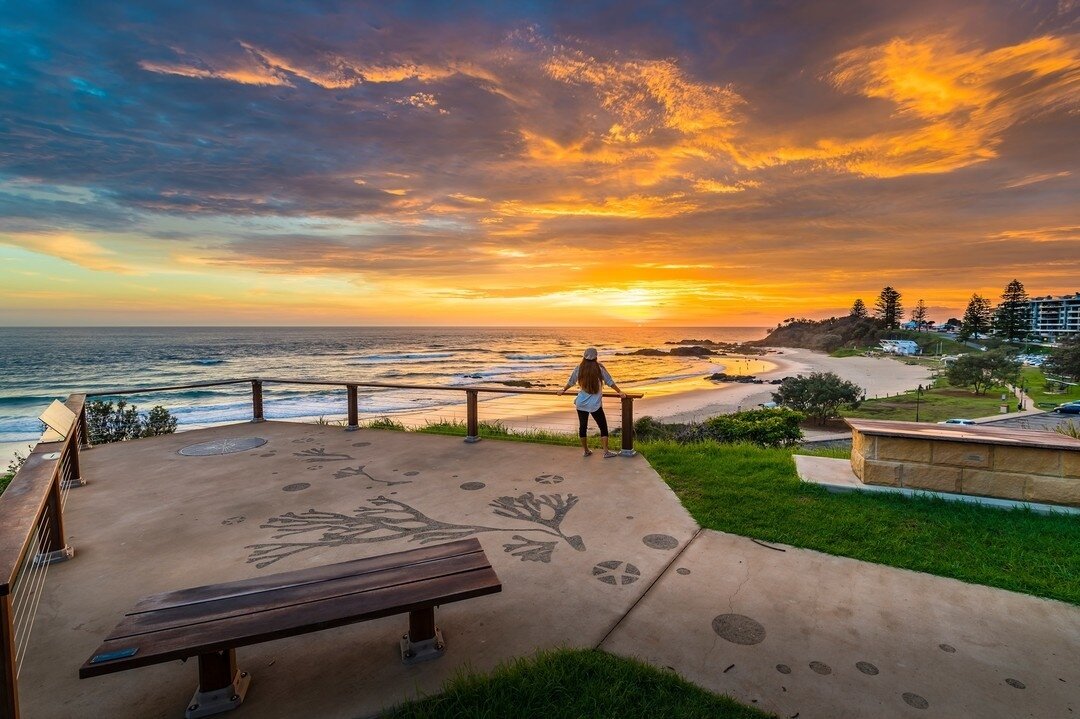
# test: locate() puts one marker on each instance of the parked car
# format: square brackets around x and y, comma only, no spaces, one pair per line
[1069,408]
[957,420]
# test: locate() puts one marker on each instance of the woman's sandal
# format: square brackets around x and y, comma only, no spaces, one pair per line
[609,454]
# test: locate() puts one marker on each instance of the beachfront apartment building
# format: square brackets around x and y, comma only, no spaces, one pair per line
[1053,318]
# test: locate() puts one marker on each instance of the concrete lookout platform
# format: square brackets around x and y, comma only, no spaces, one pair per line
[590,552]
[575,541]
[1007,463]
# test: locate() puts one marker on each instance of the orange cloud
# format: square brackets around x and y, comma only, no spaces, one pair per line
[952,105]
[77,250]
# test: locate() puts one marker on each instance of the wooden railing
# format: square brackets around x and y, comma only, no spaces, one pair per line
[32,508]
[472,393]
[32,538]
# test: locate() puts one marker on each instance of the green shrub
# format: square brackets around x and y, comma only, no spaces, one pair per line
[765,427]
[108,423]
[820,395]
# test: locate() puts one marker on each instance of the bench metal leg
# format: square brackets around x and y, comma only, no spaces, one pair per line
[424,640]
[221,686]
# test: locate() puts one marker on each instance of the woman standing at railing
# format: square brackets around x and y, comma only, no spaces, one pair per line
[591,376]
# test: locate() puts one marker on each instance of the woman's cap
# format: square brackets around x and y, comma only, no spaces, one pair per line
[590,354]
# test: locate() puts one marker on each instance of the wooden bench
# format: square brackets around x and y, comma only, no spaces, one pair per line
[210,622]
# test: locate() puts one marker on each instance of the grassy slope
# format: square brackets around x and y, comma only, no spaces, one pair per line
[571,684]
[755,492]
[1035,386]
[939,403]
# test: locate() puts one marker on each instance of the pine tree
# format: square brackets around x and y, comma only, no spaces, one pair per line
[1012,320]
[918,315]
[977,318]
[888,308]
[858,309]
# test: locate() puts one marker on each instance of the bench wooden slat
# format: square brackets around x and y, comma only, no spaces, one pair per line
[299,577]
[184,642]
[294,595]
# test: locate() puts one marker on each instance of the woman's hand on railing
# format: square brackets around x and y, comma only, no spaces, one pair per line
[562,391]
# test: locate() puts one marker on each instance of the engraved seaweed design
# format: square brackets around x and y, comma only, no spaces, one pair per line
[388,519]
[532,508]
[361,472]
[319,454]
[530,550]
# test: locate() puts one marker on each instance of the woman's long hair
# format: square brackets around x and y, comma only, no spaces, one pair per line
[588,377]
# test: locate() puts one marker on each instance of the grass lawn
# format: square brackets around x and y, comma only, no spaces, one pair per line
[573,684]
[1035,386]
[756,493]
[937,404]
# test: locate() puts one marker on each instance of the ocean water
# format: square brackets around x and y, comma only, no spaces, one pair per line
[38,365]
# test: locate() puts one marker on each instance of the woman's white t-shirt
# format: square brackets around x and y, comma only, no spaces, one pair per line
[590,402]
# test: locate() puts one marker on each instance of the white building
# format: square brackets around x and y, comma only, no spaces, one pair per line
[1052,318]
[900,347]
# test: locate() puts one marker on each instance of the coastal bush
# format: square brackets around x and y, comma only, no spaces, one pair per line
[108,423]
[16,463]
[648,428]
[764,427]
[820,395]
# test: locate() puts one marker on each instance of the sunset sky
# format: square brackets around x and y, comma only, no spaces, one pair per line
[726,163]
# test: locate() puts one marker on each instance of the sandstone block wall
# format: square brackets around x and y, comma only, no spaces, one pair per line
[1032,474]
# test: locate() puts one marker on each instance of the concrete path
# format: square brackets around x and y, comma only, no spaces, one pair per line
[814,636]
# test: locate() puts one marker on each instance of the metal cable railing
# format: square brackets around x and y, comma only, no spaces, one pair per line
[31,540]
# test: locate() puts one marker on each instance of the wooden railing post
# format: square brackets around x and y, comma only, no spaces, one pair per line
[256,401]
[55,548]
[83,431]
[472,422]
[9,685]
[627,427]
[71,472]
[354,410]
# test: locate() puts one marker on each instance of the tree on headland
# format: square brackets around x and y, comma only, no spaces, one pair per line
[981,370]
[918,315]
[888,308]
[858,309]
[1064,361]
[819,396]
[976,318]
[1012,319]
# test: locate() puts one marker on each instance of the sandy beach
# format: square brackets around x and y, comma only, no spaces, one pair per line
[878,376]
[695,398]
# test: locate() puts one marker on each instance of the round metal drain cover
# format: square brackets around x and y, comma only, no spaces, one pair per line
[222,446]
